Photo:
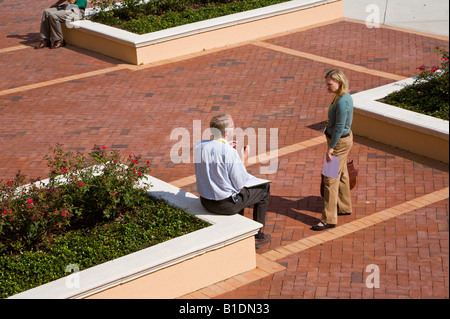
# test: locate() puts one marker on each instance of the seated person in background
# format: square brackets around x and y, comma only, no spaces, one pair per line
[51,33]
[222,177]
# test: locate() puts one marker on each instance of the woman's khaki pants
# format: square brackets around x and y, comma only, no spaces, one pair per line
[337,195]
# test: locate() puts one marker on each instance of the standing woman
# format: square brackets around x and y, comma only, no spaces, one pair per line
[339,140]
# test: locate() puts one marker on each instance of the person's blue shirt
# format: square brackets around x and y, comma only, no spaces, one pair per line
[219,170]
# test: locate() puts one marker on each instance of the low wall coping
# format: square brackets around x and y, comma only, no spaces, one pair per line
[136,40]
[224,230]
[365,103]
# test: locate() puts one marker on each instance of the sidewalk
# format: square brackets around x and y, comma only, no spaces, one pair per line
[400,222]
[431,16]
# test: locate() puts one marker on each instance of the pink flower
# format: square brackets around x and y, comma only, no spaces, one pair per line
[28,206]
[148,162]
[130,156]
[63,214]
[134,161]
[422,68]
[30,201]
[9,182]
[104,147]
[80,183]
[64,169]
[115,161]
[139,173]
[43,214]
[434,69]
[5,212]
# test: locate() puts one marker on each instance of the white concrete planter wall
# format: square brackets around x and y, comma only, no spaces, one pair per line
[407,130]
[170,269]
[203,35]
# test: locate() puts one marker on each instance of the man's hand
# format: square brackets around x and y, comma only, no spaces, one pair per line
[244,153]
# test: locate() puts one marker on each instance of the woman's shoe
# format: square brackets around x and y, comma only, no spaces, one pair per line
[323,226]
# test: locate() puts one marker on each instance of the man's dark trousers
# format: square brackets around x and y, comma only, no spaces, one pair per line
[257,196]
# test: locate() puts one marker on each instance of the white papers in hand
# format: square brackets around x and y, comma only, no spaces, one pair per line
[255,181]
[331,169]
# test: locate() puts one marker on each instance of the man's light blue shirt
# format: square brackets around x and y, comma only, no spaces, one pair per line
[219,170]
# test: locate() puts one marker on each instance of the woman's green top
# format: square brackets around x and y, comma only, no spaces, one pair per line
[340,117]
[81,4]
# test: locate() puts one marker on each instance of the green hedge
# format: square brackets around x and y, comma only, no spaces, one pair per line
[162,14]
[429,94]
[91,211]
[89,247]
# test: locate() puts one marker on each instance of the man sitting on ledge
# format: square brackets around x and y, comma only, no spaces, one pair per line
[223,183]
[51,33]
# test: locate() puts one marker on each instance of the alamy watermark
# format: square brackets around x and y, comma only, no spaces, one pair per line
[374,18]
[373,279]
[73,14]
[73,280]
[257,141]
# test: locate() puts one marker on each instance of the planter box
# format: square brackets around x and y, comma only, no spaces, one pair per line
[199,36]
[407,130]
[170,269]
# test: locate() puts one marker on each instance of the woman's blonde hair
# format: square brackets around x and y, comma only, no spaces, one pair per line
[339,76]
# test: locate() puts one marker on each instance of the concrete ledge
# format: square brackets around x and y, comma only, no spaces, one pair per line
[170,269]
[407,130]
[203,35]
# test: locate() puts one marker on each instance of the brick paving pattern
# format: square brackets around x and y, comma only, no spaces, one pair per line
[400,219]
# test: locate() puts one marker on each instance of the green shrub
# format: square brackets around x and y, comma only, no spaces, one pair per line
[91,210]
[162,14]
[80,193]
[429,94]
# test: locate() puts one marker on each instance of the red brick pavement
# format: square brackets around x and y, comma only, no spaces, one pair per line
[381,49]
[25,67]
[19,22]
[136,109]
